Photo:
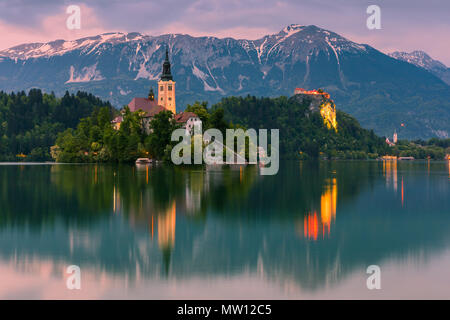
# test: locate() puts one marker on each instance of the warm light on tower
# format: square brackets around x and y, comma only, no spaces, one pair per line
[166,87]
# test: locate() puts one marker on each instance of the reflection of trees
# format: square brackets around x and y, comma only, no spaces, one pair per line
[182,222]
[37,195]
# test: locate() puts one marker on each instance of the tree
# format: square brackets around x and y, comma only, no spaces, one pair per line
[217,120]
[162,125]
[201,110]
[30,123]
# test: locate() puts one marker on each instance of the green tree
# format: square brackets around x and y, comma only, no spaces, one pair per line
[162,125]
[201,110]
[217,120]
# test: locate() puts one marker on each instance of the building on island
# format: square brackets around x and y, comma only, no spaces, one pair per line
[116,122]
[312,92]
[165,101]
[189,121]
[148,106]
[166,87]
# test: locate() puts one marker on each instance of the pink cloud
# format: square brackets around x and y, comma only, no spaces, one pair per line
[240,19]
[407,40]
[51,28]
[234,32]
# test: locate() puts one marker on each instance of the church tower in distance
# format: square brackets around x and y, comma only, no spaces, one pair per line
[166,87]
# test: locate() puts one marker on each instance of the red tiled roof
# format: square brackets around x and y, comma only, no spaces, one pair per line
[118,119]
[184,116]
[151,107]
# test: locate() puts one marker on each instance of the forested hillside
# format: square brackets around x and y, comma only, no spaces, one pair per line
[29,124]
[77,128]
[302,131]
[382,93]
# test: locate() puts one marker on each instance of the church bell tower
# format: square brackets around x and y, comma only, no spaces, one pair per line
[166,87]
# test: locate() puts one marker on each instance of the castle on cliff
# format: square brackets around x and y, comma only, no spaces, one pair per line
[319,101]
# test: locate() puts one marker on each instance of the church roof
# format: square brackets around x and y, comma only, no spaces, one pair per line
[184,116]
[151,107]
[118,119]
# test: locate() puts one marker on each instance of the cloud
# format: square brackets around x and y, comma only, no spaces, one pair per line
[409,40]
[49,28]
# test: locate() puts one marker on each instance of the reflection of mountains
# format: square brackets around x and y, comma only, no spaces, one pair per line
[180,223]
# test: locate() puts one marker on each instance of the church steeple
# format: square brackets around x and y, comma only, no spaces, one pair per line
[166,74]
[166,87]
[151,95]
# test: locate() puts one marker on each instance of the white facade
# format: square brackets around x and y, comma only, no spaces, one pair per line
[191,124]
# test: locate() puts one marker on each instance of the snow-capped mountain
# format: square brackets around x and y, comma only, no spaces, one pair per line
[423,60]
[201,65]
[119,66]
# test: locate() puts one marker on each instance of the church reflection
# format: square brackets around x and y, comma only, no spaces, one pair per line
[159,197]
[181,223]
[166,228]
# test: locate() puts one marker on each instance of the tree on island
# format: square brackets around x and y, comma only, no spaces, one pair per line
[30,123]
[77,128]
[158,143]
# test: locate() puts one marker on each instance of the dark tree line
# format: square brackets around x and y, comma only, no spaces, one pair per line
[30,123]
[95,139]
[303,133]
[77,128]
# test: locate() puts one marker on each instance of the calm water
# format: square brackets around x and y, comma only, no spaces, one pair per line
[161,232]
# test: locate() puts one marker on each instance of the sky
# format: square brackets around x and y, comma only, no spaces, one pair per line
[406,25]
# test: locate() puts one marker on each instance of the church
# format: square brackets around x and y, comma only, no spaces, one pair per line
[165,101]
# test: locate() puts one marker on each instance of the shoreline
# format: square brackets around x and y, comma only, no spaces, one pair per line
[9,163]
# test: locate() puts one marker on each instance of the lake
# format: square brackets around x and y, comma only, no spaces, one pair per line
[162,232]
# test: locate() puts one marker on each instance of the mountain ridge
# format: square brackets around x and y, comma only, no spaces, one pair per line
[422,59]
[364,82]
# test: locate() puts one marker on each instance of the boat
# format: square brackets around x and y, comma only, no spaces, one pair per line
[143,161]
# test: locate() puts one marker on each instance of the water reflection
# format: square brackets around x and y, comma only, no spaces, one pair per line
[168,223]
[448,165]
[312,226]
[390,173]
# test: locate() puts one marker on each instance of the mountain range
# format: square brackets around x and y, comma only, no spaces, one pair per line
[384,93]
[423,60]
